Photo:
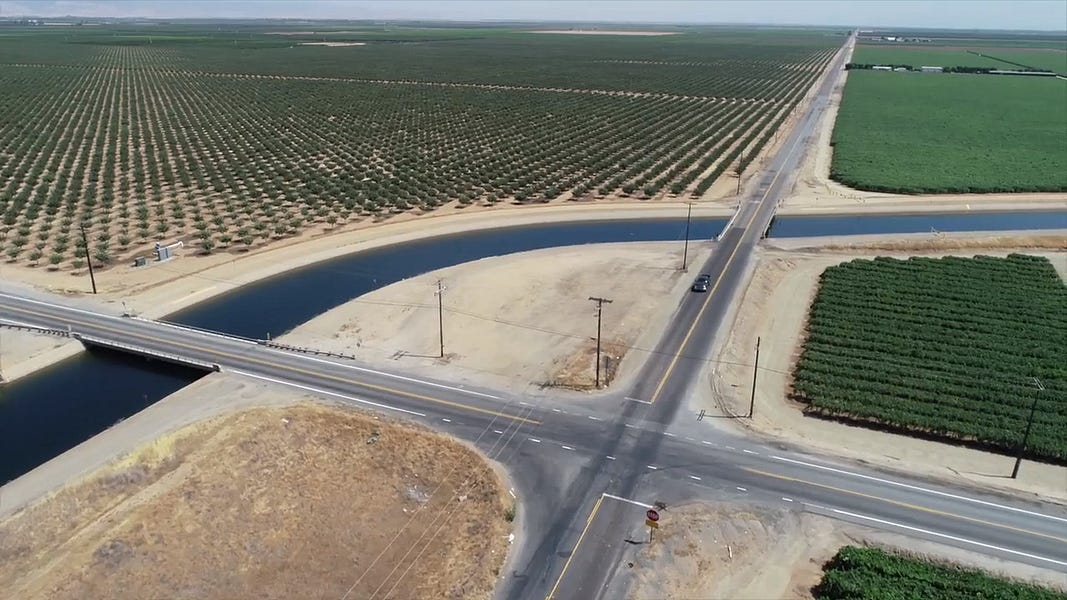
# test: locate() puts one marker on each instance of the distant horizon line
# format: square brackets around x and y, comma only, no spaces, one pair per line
[525,22]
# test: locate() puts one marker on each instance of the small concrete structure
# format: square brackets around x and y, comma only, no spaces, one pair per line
[932,69]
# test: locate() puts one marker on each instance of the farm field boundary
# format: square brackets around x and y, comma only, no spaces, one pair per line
[908,133]
[952,349]
[856,572]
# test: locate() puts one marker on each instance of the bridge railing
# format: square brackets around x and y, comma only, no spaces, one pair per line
[167,356]
[35,329]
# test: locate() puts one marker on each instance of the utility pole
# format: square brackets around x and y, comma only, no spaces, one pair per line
[1029,425]
[88,256]
[440,293]
[599,313]
[740,161]
[755,370]
[685,249]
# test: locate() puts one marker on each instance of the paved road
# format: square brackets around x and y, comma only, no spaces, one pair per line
[585,473]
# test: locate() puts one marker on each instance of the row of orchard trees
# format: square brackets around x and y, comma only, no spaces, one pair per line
[138,154]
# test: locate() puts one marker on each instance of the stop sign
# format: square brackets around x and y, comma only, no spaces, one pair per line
[652,515]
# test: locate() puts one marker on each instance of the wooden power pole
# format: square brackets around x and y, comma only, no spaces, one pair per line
[88,257]
[600,302]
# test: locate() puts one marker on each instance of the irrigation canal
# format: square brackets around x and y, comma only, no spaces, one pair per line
[45,414]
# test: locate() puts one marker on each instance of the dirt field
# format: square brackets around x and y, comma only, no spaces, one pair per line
[305,501]
[749,551]
[22,352]
[519,320]
[774,307]
[814,191]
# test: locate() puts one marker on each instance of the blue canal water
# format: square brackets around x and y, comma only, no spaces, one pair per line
[917,223]
[276,305]
[50,412]
[46,414]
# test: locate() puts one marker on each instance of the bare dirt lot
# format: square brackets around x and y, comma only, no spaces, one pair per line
[23,352]
[750,551]
[518,320]
[774,307]
[305,501]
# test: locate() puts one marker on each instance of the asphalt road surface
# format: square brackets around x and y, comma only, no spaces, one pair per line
[586,474]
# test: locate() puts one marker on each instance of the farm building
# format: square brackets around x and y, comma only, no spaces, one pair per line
[932,69]
[901,69]
[881,68]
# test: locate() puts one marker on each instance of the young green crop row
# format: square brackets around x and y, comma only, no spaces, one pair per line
[856,573]
[954,348]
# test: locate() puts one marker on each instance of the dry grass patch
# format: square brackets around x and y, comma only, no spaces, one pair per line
[296,502]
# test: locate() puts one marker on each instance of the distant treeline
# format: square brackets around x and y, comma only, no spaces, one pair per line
[957,69]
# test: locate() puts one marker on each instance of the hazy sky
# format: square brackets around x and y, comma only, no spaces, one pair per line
[971,14]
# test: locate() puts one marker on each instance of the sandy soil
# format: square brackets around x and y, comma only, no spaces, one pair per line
[604,32]
[774,307]
[519,320]
[814,192]
[23,352]
[300,501]
[750,551]
[163,288]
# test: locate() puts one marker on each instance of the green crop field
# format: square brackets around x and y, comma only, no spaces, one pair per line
[947,348]
[1046,59]
[918,57]
[232,136]
[951,133]
[869,573]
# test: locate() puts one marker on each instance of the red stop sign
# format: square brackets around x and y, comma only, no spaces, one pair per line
[652,515]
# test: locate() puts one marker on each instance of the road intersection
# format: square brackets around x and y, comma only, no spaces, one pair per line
[585,472]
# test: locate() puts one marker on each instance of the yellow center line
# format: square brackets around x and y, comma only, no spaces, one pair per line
[588,522]
[907,505]
[285,367]
[711,293]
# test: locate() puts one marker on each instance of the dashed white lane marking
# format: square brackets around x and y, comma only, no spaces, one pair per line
[556,410]
[391,375]
[950,537]
[328,393]
[592,418]
[920,489]
[730,448]
[534,440]
[446,420]
[787,499]
[706,443]
[689,438]
[498,432]
[747,451]
[653,467]
[566,447]
[524,403]
[694,477]
[610,457]
[669,434]
[621,499]
[629,426]
[741,489]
